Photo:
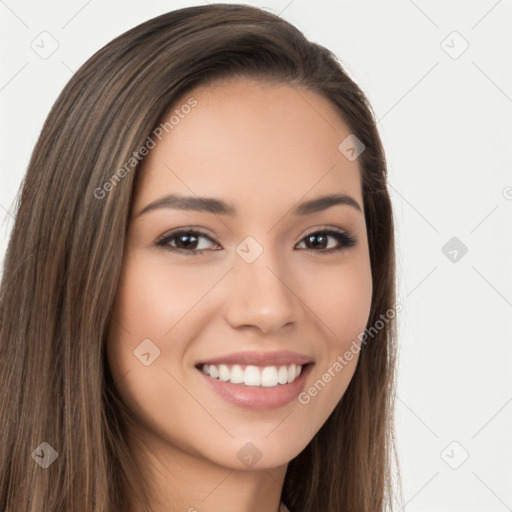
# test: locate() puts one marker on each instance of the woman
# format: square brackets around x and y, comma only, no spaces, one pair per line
[199,291]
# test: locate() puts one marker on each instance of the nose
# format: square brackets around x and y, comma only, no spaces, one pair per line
[262,296]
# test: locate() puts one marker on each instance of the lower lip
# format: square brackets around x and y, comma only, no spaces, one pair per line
[259,397]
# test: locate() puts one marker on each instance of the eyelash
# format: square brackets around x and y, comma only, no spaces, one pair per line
[346,240]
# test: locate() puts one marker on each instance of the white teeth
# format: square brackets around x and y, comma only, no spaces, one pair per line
[282,375]
[237,374]
[268,376]
[223,372]
[252,376]
[291,373]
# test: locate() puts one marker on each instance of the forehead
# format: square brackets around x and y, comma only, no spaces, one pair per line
[250,142]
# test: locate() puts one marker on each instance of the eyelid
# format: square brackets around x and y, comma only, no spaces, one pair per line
[186,229]
[324,229]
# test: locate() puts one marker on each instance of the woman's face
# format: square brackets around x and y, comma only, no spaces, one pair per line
[256,273]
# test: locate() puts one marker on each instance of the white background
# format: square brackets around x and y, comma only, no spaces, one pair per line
[446,124]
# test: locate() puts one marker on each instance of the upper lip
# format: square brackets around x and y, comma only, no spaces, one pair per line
[283,357]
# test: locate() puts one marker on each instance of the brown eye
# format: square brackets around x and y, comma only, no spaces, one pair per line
[185,241]
[320,240]
[193,243]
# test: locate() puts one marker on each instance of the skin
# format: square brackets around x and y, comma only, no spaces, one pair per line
[264,148]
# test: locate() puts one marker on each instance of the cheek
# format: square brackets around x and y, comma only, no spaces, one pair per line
[155,302]
[153,297]
[342,302]
[341,299]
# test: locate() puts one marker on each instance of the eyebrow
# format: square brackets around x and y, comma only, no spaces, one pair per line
[218,207]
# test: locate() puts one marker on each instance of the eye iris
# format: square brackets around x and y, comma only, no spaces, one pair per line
[190,240]
[311,238]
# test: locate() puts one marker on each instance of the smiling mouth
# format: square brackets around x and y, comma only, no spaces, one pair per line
[252,375]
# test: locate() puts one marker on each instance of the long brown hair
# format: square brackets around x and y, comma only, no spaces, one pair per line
[64,258]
